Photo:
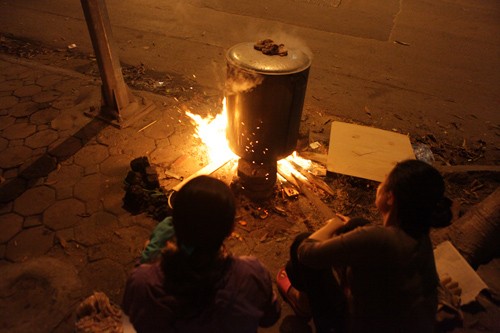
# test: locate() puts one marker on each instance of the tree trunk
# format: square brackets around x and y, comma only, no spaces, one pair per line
[476,235]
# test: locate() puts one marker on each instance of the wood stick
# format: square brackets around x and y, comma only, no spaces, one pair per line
[323,209]
[206,170]
[467,168]
[316,157]
[291,180]
[313,179]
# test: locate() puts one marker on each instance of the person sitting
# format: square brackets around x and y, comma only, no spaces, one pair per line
[197,286]
[384,277]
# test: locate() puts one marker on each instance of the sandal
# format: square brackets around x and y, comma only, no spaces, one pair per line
[297,300]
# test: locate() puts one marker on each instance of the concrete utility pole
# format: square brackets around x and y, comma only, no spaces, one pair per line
[120,106]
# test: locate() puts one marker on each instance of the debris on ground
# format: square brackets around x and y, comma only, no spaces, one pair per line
[97,314]
[143,193]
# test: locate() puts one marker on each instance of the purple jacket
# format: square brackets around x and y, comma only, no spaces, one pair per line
[244,302]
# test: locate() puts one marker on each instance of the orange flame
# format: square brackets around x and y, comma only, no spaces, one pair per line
[212,132]
[285,165]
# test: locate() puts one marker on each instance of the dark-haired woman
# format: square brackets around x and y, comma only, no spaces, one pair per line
[197,286]
[385,278]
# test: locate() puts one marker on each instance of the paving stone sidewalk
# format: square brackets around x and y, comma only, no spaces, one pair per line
[61,192]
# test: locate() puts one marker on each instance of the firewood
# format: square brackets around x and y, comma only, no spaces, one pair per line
[476,233]
[467,168]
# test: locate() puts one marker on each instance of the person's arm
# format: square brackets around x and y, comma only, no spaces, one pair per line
[161,233]
[272,312]
[343,249]
[329,229]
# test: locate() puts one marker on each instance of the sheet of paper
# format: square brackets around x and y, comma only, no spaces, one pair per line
[450,262]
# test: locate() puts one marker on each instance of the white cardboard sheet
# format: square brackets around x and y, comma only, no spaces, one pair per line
[450,262]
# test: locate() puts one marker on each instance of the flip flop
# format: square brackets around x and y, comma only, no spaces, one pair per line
[284,286]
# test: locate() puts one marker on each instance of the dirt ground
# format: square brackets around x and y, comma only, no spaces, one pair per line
[266,229]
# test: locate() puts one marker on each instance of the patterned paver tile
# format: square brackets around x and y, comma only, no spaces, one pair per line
[10,85]
[91,155]
[8,101]
[13,72]
[6,121]
[38,167]
[32,221]
[41,138]
[64,102]
[46,96]
[35,200]
[65,176]
[116,166]
[3,144]
[14,156]
[65,147]
[63,122]
[104,275]
[24,109]
[159,130]
[139,147]
[19,131]
[27,91]
[96,229]
[89,187]
[113,197]
[44,116]
[29,243]
[49,80]
[64,214]
[10,224]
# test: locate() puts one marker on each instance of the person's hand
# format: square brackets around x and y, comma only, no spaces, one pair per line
[328,229]
[343,218]
[453,288]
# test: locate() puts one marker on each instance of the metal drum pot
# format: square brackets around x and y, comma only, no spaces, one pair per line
[264,100]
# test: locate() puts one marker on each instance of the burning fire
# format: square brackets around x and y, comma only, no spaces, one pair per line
[212,132]
[285,165]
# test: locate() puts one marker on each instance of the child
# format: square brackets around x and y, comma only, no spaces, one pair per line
[197,286]
[388,280]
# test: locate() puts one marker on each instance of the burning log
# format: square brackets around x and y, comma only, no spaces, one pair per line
[475,234]
[206,170]
[287,177]
[314,180]
[323,209]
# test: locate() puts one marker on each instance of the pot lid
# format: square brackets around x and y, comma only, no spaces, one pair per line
[244,55]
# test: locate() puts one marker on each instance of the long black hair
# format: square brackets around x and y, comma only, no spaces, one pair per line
[203,216]
[419,201]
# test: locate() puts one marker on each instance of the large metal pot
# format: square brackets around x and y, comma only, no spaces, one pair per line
[264,100]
